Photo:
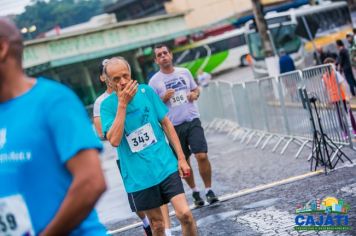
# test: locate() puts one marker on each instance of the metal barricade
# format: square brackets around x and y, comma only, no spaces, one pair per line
[243,109]
[331,110]
[296,119]
[209,103]
[270,100]
[254,101]
[272,107]
[227,101]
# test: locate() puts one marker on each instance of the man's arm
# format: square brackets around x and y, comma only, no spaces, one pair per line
[114,135]
[87,186]
[97,125]
[184,169]
[194,94]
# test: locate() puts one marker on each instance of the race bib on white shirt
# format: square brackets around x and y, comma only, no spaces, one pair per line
[141,138]
[179,98]
[14,217]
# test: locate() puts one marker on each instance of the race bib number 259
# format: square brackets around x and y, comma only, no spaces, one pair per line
[14,217]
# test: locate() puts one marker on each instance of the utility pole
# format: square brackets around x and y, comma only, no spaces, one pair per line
[262,27]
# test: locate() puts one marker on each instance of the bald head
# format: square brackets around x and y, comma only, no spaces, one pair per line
[10,40]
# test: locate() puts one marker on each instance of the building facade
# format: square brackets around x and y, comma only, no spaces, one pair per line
[136,9]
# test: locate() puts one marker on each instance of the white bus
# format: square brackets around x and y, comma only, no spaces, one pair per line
[296,29]
[213,54]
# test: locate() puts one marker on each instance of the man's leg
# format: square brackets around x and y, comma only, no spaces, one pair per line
[199,147]
[183,132]
[184,215]
[145,222]
[166,219]
[204,168]
[156,219]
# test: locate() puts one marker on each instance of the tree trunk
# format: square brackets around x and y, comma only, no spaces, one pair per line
[262,27]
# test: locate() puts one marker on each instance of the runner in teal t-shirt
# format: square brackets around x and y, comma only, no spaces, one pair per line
[134,120]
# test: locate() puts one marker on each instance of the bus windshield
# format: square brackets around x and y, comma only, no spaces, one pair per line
[283,37]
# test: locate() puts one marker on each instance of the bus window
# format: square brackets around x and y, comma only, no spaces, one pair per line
[190,55]
[255,46]
[284,37]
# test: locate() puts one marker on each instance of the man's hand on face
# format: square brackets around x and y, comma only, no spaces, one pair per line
[169,94]
[125,95]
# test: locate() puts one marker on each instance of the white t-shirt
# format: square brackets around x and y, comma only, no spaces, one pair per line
[340,79]
[97,103]
[204,79]
[181,80]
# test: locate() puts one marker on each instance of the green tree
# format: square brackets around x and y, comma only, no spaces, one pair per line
[46,15]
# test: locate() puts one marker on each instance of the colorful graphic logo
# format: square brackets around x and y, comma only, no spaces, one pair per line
[327,214]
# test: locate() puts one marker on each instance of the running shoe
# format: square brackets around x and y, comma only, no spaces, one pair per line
[148,231]
[211,198]
[198,201]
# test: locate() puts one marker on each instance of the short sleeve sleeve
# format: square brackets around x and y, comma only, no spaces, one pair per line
[70,126]
[153,85]
[107,115]
[159,107]
[192,83]
[96,108]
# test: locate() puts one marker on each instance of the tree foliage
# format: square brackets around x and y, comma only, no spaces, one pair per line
[47,14]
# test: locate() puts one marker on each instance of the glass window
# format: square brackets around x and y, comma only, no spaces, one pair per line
[285,37]
[255,46]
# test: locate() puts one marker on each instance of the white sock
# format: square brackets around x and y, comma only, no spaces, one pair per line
[145,222]
[168,232]
[207,190]
[195,189]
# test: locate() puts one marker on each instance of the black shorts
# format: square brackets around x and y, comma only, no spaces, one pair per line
[157,195]
[191,137]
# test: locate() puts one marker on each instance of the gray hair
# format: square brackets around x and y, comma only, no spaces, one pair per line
[115,60]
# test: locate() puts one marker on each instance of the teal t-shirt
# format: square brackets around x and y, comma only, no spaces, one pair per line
[150,166]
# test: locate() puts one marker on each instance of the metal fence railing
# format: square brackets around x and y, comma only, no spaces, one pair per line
[271,108]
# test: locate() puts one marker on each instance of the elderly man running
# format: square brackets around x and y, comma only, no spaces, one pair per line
[134,120]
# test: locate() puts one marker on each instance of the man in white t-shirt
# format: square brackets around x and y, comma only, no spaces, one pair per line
[178,90]
[97,124]
[203,78]
[99,100]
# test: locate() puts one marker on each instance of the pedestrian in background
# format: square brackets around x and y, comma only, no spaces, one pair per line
[50,172]
[286,63]
[203,78]
[335,85]
[344,65]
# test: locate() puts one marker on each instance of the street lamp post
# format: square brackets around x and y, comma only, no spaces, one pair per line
[28,31]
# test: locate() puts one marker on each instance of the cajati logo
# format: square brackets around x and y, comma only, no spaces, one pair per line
[329,213]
